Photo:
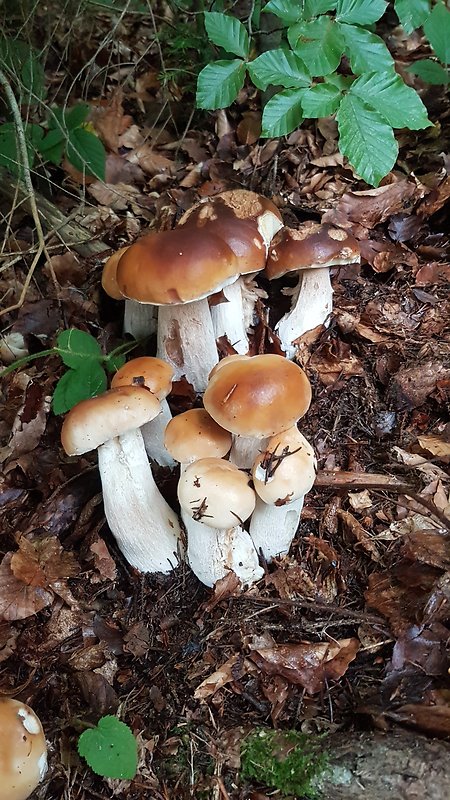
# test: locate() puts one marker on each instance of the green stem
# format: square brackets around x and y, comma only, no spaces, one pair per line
[22,362]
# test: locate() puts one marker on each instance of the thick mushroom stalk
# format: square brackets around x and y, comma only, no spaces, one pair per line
[212,553]
[145,527]
[282,475]
[312,304]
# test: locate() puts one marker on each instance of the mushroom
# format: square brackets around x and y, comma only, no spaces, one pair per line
[178,270]
[139,321]
[23,750]
[195,435]
[156,375]
[216,499]
[247,222]
[145,527]
[255,397]
[311,250]
[282,475]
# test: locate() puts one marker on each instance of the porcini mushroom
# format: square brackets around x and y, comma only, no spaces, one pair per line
[311,250]
[217,498]
[139,320]
[255,397]
[146,529]
[194,435]
[282,475]
[23,750]
[177,270]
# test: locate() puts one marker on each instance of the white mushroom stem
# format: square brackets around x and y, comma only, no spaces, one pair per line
[140,319]
[272,528]
[212,553]
[186,340]
[228,318]
[311,306]
[153,435]
[145,527]
[245,449]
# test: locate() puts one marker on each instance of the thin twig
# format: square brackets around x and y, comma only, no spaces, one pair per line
[328,608]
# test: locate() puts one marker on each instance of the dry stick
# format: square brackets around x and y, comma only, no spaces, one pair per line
[328,608]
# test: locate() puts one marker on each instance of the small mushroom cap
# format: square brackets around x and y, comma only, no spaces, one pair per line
[153,373]
[195,435]
[312,245]
[215,492]
[93,422]
[109,275]
[174,267]
[286,470]
[258,396]
[23,751]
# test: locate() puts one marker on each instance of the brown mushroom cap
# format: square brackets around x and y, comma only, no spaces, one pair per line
[23,751]
[93,422]
[195,435]
[215,492]
[109,275]
[312,245]
[174,267]
[224,361]
[153,373]
[258,396]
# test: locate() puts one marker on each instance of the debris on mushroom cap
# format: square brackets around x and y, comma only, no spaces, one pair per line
[93,422]
[286,470]
[311,245]
[153,373]
[258,396]
[177,266]
[194,435]
[215,492]
[23,751]
[109,275]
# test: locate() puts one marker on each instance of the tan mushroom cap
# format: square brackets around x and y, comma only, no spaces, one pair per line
[93,422]
[312,245]
[224,361]
[153,373]
[286,470]
[258,396]
[215,492]
[23,751]
[174,267]
[109,275]
[195,435]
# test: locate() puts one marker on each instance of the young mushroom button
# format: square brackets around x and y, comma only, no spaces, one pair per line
[23,750]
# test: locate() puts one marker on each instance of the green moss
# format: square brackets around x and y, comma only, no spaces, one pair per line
[285,760]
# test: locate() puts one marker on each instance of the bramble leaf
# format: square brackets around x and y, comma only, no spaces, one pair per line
[86,152]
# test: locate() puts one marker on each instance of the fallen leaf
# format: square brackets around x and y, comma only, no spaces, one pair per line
[411,386]
[334,360]
[67,269]
[217,680]
[103,561]
[362,211]
[30,421]
[428,546]
[359,534]
[360,500]
[423,646]
[434,720]
[224,588]
[433,273]
[17,600]
[109,119]
[437,446]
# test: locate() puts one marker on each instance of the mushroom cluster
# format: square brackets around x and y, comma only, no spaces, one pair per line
[244,465]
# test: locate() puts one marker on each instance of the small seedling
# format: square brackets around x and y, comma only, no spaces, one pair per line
[110,749]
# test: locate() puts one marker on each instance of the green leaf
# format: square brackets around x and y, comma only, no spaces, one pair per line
[312,8]
[219,83]
[400,105]
[86,152]
[227,32]
[360,12]
[437,29]
[79,384]
[319,44]
[33,81]
[278,68]
[320,101]
[366,51]
[21,63]
[67,119]
[75,347]
[110,749]
[285,10]
[430,71]
[366,139]
[342,82]
[412,13]
[9,154]
[52,146]
[282,114]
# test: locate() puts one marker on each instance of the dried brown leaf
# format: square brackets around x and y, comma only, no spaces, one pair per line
[359,534]
[30,421]
[428,546]
[361,211]
[411,386]
[334,361]
[437,446]
[217,680]
[17,600]
[103,561]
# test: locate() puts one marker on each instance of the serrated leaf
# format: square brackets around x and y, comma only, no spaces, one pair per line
[400,105]
[437,29]
[86,152]
[282,114]
[318,43]
[278,68]
[110,749]
[360,12]
[366,139]
[218,83]
[75,347]
[365,50]
[284,10]
[320,101]
[227,32]
[79,384]
[429,71]
[63,119]
[412,13]
[52,146]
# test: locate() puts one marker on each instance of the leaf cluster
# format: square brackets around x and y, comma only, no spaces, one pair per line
[309,71]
